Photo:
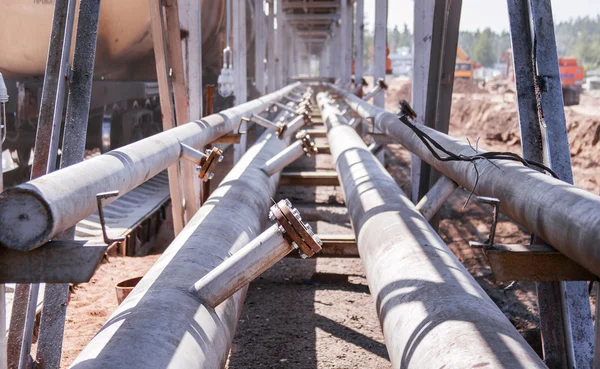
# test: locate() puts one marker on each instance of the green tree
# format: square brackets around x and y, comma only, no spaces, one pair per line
[483,49]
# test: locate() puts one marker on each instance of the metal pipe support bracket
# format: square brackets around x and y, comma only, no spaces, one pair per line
[307,143]
[207,161]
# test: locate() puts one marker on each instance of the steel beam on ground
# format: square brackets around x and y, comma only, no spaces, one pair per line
[49,212]
[197,336]
[424,296]
[565,216]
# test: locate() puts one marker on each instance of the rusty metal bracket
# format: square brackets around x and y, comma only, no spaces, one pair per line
[299,234]
[206,167]
[494,202]
[99,200]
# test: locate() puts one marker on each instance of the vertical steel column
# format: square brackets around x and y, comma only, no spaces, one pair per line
[422,38]
[279,45]
[349,31]
[261,45]
[271,58]
[344,45]
[359,40]
[45,154]
[565,315]
[240,68]
[380,56]
[3,341]
[56,296]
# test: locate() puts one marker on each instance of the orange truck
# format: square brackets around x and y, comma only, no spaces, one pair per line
[571,78]
[464,65]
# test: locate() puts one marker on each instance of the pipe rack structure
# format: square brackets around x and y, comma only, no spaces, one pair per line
[161,324]
[432,312]
[36,211]
[566,217]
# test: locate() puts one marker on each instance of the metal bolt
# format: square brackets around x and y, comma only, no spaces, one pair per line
[198,169]
[211,176]
[272,216]
[207,152]
[221,158]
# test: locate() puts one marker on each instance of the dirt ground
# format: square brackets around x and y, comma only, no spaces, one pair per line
[318,313]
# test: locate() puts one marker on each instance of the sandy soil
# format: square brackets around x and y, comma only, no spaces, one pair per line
[318,313]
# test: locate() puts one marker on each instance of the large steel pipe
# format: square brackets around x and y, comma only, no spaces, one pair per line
[565,216]
[161,324]
[433,313]
[34,212]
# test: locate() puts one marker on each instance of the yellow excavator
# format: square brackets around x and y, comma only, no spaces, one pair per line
[464,65]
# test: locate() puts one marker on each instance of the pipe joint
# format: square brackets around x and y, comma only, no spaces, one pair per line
[299,234]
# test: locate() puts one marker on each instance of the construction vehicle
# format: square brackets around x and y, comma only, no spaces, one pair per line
[571,78]
[464,65]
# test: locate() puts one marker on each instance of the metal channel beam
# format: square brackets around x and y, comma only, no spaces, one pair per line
[567,217]
[424,296]
[34,212]
[195,336]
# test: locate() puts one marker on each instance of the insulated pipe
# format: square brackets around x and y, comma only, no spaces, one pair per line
[433,200]
[566,217]
[36,211]
[433,313]
[284,158]
[161,324]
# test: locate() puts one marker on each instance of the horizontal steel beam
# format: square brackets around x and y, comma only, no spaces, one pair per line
[328,178]
[310,5]
[566,217]
[166,324]
[311,17]
[58,262]
[432,312]
[35,212]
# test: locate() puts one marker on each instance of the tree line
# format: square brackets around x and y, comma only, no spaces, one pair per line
[579,38]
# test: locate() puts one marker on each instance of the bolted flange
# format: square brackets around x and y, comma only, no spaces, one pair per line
[299,234]
[307,143]
[207,165]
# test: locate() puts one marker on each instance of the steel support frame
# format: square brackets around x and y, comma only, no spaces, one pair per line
[359,41]
[271,51]
[260,32]
[412,273]
[565,315]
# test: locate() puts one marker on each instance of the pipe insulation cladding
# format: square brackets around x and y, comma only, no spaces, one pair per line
[432,312]
[161,324]
[35,212]
[566,217]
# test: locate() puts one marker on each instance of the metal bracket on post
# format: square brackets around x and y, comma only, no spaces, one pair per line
[206,161]
[358,91]
[280,128]
[494,202]
[258,255]
[99,200]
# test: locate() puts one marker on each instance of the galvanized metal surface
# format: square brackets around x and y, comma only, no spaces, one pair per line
[433,200]
[564,215]
[39,210]
[284,158]
[424,296]
[197,336]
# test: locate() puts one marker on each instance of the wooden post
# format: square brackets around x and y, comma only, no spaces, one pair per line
[166,105]
[239,68]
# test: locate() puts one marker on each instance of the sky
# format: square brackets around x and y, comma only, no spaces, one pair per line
[480,14]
